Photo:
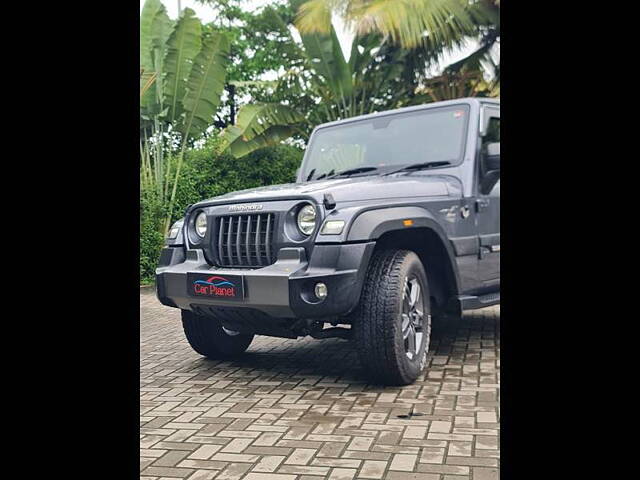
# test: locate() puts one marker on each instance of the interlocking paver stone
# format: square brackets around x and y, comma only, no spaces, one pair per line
[301,409]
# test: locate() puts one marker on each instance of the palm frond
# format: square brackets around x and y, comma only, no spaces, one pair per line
[408,23]
[314,16]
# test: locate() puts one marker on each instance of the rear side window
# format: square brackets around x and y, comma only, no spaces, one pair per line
[493,130]
[493,127]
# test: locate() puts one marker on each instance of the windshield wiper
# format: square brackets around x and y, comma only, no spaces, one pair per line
[352,171]
[324,175]
[310,176]
[420,166]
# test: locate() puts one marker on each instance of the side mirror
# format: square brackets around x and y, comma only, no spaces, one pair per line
[492,157]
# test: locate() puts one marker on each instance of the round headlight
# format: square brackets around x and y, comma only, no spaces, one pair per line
[307,219]
[201,224]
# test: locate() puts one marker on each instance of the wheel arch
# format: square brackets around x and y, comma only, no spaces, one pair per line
[425,236]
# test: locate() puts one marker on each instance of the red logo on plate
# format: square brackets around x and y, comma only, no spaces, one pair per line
[216,286]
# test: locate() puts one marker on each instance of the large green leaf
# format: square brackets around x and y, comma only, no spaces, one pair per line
[205,85]
[182,47]
[361,55]
[271,136]
[328,61]
[149,11]
[254,120]
[157,28]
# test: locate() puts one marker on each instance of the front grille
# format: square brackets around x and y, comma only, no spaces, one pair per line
[245,240]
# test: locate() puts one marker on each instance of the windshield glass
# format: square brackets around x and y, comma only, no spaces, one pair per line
[430,135]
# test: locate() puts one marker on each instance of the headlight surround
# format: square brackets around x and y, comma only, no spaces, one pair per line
[175,229]
[200,224]
[307,219]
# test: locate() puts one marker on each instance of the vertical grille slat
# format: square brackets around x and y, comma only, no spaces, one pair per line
[245,240]
[258,241]
[229,249]
[267,240]
[221,240]
[238,241]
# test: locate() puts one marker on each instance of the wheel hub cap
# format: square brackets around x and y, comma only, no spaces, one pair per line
[414,332]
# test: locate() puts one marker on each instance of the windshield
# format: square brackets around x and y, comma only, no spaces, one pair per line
[390,141]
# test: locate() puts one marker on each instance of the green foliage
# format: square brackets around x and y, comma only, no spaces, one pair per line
[259,42]
[205,84]
[403,21]
[326,87]
[209,173]
[259,125]
[183,45]
[155,28]
[325,55]
[151,240]
[189,63]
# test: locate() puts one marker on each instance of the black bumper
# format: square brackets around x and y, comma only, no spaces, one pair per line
[284,289]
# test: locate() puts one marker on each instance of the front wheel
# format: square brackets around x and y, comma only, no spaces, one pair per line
[392,324]
[208,337]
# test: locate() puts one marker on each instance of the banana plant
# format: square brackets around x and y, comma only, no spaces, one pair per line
[188,64]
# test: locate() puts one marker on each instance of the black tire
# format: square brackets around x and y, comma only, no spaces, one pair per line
[207,337]
[383,346]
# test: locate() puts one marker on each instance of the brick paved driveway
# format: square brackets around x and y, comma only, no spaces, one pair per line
[299,410]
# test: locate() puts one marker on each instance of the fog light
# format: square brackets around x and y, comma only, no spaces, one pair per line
[321,291]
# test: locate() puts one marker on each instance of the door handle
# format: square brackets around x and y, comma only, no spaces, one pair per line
[481,204]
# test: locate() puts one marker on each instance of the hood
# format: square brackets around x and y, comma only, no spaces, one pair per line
[414,184]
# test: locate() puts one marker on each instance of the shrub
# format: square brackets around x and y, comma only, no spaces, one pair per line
[207,174]
[151,240]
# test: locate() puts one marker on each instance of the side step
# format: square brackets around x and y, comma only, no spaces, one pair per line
[469,302]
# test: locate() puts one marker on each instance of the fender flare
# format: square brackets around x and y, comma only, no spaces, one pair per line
[372,224]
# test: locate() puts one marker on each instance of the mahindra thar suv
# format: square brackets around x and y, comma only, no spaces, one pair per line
[393,221]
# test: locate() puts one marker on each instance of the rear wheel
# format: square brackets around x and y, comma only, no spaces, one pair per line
[392,325]
[208,337]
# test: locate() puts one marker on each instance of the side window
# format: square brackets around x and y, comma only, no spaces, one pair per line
[490,183]
[493,130]
[492,133]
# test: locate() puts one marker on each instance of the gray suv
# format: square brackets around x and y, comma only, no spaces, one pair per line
[394,220]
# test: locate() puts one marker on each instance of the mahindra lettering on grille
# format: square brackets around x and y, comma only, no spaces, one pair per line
[246,240]
[245,208]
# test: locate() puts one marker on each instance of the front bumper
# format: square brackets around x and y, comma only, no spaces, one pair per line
[282,290]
